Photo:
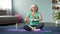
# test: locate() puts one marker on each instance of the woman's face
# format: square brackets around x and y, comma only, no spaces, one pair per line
[34,8]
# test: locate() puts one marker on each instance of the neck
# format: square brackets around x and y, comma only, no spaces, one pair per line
[34,12]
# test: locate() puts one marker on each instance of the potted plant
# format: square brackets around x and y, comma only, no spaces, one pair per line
[57,17]
[58,1]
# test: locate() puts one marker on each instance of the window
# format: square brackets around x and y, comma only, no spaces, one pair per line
[5,4]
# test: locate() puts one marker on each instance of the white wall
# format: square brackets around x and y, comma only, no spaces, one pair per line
[22,7]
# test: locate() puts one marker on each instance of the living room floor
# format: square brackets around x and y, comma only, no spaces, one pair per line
[55,30]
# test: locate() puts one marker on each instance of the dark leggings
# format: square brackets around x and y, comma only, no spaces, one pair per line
[39,26]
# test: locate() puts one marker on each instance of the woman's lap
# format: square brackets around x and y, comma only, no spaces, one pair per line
[39,26]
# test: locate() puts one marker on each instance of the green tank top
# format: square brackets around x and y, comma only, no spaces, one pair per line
[36,17]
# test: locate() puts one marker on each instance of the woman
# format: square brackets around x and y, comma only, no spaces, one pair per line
[33,17]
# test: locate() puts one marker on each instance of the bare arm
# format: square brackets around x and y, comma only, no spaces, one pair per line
[40,17]
[27,18]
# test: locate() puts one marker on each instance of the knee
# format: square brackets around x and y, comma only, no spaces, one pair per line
[41,24]
[25,26]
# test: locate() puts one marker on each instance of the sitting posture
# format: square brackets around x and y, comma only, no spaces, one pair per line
[34,17]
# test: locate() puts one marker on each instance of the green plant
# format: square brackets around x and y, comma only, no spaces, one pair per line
[57,17]
[59,0]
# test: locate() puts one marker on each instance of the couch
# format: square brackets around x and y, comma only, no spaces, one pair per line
[7,19]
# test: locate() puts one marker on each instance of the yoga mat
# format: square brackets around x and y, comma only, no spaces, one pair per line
[23,30]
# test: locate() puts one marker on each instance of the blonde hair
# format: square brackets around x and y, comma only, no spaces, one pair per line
[34,5]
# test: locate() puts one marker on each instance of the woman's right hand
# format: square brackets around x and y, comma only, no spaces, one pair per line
[31,19]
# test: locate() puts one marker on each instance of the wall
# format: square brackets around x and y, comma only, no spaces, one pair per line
[22,7]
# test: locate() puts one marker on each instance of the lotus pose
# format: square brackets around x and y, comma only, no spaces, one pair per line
[33,17]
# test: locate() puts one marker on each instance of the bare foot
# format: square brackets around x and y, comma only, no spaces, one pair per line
[37,30]
[33,29]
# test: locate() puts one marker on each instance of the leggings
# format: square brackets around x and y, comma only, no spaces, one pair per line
[39,26]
